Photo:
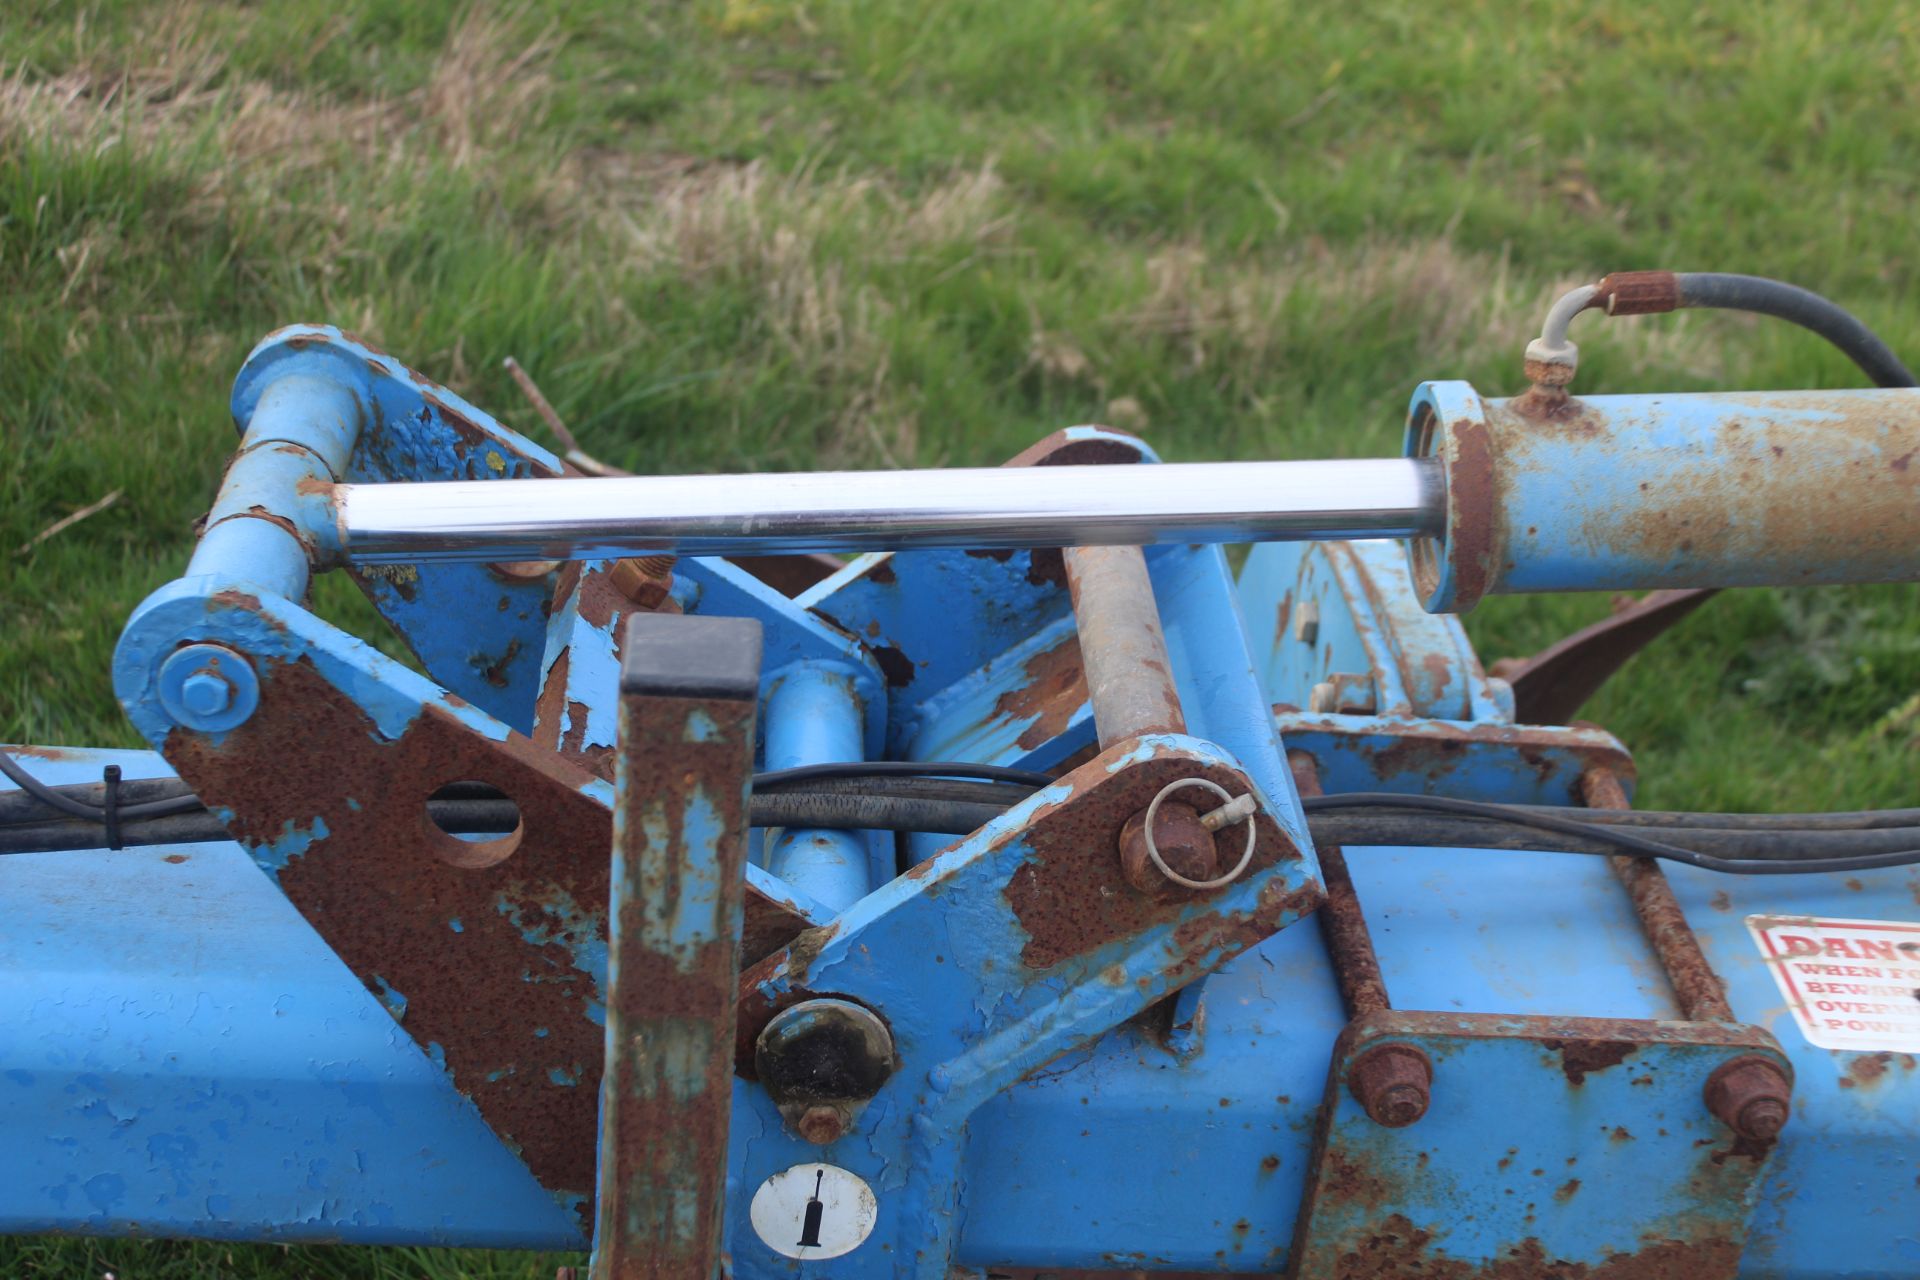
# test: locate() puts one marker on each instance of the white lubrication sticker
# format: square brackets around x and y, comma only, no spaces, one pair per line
[1852,984]
[813,1211]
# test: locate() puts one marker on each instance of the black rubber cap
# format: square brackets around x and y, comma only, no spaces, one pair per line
[677,655]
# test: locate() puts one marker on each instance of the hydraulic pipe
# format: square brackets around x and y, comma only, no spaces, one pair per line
[984,507]
[1619,493]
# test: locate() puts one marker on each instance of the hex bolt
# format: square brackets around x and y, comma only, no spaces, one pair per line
[822,1124]
[1752,1096]
[208,687]
[1394,1084]
[206,692]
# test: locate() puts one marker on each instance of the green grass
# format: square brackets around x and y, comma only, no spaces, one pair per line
[750,234]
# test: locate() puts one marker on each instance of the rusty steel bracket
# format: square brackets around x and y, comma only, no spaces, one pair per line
[1553,684]
[1676,1139]
[1018,944]
[689,696]
[1507,763]
[1590,1112]
[489,953]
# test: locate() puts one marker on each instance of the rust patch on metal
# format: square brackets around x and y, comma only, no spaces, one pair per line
[1869,1069]
[1567,1190]
[1429,750]
[504,997]
[175,858]
[1342,923]
[495,672]
[1472,502]
[1395,1247]
[1702,995]
[1764,490]
[1055,687]
[896,666]
[1582,1058]
[1071,894]
[789,967]
[670,1097]
[1183,842]
[1047,568]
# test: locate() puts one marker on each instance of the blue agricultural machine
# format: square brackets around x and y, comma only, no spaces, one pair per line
[967,873]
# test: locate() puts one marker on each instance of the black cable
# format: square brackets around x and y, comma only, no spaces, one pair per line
[1351,819]
[54,797]
[1730,292]
[917,780]
[847,811]
[902,769]
[1856,820]
[1620,841]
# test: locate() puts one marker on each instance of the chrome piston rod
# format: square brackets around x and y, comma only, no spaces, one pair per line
[985,507]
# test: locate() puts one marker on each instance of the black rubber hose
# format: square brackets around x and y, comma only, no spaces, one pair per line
[1352,819]
[1417,829]
[53,797]
[1857,820]
[844,811]
[1634,843]
[834,810]
[154,797]
[18,807]
[1728,292]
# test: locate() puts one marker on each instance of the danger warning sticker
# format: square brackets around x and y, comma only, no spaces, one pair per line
[1852,984]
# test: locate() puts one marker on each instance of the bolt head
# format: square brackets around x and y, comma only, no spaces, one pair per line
[1752,1096]
[206,693]
[1400,1105]
[1393,1083]
[822,1125]
[1763,1118]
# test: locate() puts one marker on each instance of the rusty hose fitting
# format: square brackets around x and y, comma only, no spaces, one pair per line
[1752,1096]
[1393,1082]
[1636,293]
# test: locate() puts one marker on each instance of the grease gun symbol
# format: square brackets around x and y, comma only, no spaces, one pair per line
[810,1225]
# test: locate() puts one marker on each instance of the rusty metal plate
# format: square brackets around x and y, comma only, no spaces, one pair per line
[1561,1148]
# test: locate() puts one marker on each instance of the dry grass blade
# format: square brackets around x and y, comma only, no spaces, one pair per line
[67,522]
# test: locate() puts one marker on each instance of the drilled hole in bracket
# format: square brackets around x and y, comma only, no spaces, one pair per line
[469,831]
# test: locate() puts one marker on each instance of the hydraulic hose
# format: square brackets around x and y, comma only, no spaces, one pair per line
[1726,291]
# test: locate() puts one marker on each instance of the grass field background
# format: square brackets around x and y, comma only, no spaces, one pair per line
[754,234]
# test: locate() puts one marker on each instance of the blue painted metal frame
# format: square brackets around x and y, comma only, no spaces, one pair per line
[1053,1109]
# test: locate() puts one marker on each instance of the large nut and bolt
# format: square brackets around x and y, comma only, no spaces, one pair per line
[1172,843]
[1752,1096]
[1393,1083]
[208,687]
